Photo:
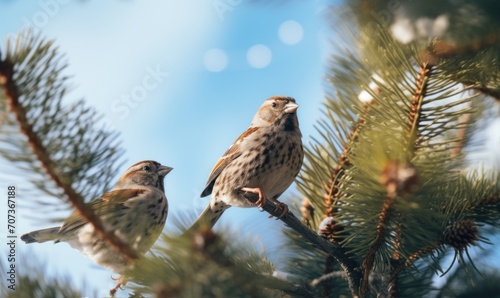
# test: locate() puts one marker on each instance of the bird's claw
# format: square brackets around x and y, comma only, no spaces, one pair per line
[261,201]
[120,282]
[280,205]
[262,197]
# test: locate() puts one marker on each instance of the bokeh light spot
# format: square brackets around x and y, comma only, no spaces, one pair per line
[259,56]
[290,32]
[215,60]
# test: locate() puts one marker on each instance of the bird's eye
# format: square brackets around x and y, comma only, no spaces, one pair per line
[274,104]
[146,168]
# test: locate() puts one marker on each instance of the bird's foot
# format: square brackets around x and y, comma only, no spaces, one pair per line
[120,281]
[262,197]
[280,205]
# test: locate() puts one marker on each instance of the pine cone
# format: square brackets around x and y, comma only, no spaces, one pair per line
[461,234]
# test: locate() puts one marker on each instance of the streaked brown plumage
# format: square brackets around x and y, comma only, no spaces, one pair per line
[265,160]
[135,209]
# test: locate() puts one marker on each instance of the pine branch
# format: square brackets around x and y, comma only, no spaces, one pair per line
[332,188]
[291,289]
[396,256]
[490,201]
[328,269]
[442,49]
[10,88]
[414,257]
[485,209]
[493,93]
[406,160]
[399,178]
[416,106]
[392,288]
[349,265]
[394,179]
[202,262]
[379,239]
[327,277]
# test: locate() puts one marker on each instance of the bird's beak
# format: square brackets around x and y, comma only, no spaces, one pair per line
[291,107]
[164,170]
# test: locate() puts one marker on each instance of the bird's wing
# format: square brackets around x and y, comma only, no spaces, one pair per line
[231,154]
[112,202]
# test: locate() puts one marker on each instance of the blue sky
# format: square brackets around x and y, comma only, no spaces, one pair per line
[180,80]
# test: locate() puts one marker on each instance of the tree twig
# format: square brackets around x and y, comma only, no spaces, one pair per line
[206,242]
[324,278]
[443,49]
[287,287]
[493,93]
[379,239]
[415,112]
[350,266]
[332,189]
[36,144]
[328,269]
[413,257]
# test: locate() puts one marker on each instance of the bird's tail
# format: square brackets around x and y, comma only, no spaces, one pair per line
[50,234]
[207,218]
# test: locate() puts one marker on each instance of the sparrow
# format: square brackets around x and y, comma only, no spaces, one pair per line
[135,209]
[264,160]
